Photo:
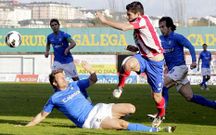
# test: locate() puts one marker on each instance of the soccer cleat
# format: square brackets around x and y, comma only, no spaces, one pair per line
[153,116]
[207,89]
[117,92]
[157,121]
[169,129]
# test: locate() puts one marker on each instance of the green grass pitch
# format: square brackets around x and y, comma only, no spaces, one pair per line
[20,102]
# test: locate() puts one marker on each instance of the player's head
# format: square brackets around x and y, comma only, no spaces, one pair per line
[166,25]
[134,10]
[204,46]
[57,79]
[54,24]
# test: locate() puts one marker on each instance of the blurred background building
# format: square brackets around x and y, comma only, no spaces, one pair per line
[15,14]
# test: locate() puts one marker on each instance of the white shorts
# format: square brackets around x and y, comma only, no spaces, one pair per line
[205,71]
[179,75]
[69,68]
[97,115]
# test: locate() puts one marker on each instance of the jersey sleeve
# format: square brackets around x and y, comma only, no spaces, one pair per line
[48,107]
[139,23]
[83,84]
[67,36]
[186,43]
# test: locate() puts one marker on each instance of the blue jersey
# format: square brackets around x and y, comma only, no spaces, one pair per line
[205,56]
[71,102]
[60,43]
[173,46]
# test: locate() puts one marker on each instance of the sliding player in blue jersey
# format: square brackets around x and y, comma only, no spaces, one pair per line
[206,58]
[173,44]
[69,100]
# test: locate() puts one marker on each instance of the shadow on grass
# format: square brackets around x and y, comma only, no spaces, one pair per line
[44,123]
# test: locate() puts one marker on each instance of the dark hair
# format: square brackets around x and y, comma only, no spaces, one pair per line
[52,76]
[54,20]
[135,7]
[204,44]
[169,22]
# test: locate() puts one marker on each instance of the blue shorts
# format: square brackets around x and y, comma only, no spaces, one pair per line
[154,72]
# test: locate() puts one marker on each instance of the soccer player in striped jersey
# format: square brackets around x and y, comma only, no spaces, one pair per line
[149,59]
[206,58]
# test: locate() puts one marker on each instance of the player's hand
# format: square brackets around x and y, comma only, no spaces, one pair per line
[67,50]
[100,16]
[132,48]
[87,67]
[193,65]
[46,54]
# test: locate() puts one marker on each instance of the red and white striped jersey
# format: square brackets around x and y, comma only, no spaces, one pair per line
[146,37]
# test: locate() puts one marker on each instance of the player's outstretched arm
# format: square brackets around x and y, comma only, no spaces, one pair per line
[37,119]
[116,25]
[91,71]
[46,54]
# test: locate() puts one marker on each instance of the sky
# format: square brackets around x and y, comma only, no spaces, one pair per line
[173,8]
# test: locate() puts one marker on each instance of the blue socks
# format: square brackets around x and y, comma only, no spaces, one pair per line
[204,82]
[165,94]
[140,127]
[203,101]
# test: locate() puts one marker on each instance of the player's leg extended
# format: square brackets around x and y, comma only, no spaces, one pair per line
[111,123]
[187,93]
[121,109]
[168,83]
[154,72]
[128,65]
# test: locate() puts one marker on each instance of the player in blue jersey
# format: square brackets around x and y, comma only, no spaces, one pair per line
[173,45]
[69,99]
[206,58]
[62,43]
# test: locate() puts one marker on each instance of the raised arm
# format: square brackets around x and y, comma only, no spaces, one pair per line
[116,25]
[37,119]
[91,71]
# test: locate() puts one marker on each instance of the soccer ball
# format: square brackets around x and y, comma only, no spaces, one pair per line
[13,39]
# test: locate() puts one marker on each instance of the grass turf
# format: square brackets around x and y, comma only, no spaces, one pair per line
[20,102]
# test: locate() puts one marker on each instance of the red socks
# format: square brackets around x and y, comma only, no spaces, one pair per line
[161,108]
[122,77]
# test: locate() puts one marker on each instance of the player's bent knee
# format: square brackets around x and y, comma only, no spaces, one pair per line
[132,108]
[131,64]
